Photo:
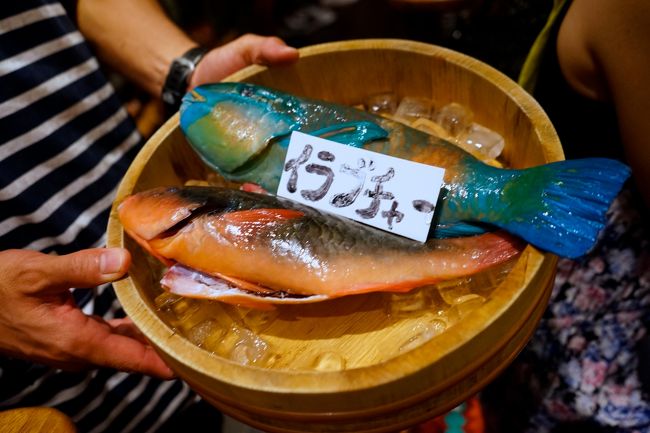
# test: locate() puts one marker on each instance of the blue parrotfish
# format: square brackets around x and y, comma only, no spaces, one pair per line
[242,131]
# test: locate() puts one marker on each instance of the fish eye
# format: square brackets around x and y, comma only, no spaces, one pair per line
[247,91]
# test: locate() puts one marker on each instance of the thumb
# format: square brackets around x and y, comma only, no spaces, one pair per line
[246,50]
[86,268]
[271,51]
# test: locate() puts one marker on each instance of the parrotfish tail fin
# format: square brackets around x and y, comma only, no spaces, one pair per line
[561,207]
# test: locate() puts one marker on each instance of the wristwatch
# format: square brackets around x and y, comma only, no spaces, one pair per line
[178,78]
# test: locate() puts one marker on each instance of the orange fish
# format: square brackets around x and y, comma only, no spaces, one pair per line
[254,249]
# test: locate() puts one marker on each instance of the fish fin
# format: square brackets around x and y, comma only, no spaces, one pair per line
[262,168]
[354,134]
[186,282]
[253,187]
[454,230]
[561,207]
[402,287]
[145,245]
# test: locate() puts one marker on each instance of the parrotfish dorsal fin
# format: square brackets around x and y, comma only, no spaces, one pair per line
[354,134]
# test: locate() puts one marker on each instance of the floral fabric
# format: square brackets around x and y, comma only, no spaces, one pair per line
[586,347]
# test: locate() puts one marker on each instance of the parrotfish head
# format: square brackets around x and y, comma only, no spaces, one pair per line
[149,214]
[230,123]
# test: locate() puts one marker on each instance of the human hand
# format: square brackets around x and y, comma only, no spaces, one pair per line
[246,50]
[39,320]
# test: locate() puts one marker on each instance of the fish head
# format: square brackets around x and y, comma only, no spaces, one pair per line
[160,211]
[148,214]
[229,124]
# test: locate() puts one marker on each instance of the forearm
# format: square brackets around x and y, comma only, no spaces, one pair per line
[135,37]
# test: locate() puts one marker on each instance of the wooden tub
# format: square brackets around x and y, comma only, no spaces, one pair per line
[367,363]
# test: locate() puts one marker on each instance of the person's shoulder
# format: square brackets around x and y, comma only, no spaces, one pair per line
[599,36]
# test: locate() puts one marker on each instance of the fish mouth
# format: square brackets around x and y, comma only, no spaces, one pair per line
[192,97]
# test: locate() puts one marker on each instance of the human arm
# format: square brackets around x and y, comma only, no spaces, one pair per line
[604,52]
[39,320]
[139,40]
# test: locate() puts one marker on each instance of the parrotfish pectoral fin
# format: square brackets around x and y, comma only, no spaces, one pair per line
[455,230]
[354,134]
[265,167]
[561,207]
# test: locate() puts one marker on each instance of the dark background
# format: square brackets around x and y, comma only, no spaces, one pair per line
[498,32]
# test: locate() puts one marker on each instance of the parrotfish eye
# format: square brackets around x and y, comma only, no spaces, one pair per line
[247,91]
[280,104]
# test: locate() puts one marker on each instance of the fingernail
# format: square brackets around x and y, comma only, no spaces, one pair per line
[169,374]
[289,49]
[111,261]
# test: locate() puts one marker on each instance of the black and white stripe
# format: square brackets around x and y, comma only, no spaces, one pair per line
[65,143]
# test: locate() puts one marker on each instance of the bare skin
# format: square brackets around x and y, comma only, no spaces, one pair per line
[138,39]
[39,320]
[604,52]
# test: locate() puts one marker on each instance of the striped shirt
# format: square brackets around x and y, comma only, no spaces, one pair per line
[65,143]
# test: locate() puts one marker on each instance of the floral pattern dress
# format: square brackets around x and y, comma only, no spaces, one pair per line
[587,341]
[583,370]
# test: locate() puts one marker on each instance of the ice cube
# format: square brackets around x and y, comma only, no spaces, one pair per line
[165,300]
[484,140]
[405,304]
[423,332]
[431,128]
[259,320]
[329,361]
[468,303]
[206,334]
[184,309]
[248,348]
[451,290]
[455,118]
[413,107]
[382,103]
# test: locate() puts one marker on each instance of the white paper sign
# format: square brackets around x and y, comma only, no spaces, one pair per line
[389,193]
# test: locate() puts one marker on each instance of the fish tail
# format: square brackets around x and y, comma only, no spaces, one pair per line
[561,207]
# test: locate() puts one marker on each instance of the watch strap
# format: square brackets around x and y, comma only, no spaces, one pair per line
[179,76]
